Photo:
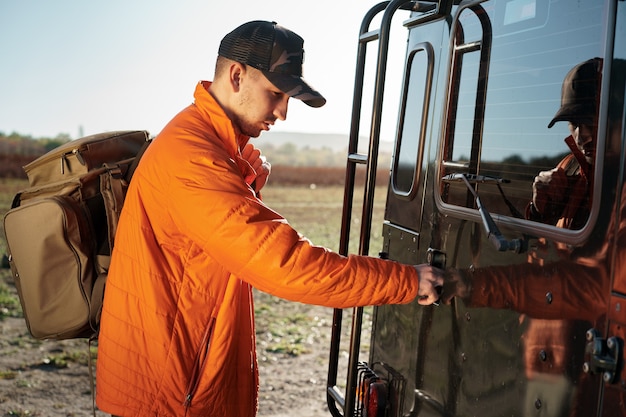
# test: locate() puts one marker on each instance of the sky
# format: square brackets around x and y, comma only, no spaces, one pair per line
[80,67]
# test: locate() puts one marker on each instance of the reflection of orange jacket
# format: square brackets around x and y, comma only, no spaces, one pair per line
[548,346]
[177,335]
[579,172]
[573,212]
[578,285]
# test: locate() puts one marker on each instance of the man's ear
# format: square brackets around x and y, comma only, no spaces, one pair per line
[236,73]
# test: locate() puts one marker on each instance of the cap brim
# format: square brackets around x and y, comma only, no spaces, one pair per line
[294,86]
[573,113]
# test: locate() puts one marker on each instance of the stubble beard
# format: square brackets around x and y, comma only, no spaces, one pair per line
[245,127]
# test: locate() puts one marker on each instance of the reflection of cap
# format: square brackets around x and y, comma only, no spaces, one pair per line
[580,93]
[275,51]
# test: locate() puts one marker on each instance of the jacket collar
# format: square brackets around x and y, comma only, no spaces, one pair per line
[585,168]
[223,126]
[224,129]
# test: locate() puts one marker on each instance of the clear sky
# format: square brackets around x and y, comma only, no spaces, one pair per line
[83,67]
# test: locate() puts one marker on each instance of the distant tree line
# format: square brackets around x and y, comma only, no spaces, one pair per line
[18,150]
[291,155]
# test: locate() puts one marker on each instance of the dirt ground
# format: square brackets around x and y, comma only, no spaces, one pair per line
[51,378]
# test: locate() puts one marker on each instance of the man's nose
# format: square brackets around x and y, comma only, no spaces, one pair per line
[280,111]
[585,134]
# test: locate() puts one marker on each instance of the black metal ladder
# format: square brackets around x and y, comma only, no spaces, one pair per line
[335,397]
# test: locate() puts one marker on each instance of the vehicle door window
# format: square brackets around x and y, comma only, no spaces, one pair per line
[506,122]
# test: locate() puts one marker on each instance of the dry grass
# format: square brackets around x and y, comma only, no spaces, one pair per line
[315,212]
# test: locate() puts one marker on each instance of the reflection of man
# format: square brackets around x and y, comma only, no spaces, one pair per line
[576,287]
[562,195]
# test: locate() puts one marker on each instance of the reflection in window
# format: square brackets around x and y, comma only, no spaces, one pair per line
[531,53]
[466,104]
[412,121]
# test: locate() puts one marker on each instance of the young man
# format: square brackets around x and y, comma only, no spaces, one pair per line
[177,335]
[562,196]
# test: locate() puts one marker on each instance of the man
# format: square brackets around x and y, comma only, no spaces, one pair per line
[561,196]
[177,335]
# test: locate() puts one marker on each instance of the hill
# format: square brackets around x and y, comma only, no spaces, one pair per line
[312,150]
[335,142]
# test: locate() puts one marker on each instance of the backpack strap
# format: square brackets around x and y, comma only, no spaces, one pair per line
[113,186]
[95,306]
[133,165]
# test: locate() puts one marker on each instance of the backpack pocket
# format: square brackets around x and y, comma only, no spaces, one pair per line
[51,251]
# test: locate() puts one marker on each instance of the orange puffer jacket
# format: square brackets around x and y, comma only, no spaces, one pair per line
[177,335]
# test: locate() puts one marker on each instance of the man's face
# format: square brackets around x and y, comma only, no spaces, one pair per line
[259,103]
[585,136]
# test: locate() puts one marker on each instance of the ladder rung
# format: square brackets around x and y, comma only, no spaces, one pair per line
[456,165]
[372,35]
[336,395]
[357,158]
[469,47]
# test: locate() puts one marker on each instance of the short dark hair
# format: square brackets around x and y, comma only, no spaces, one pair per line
[220,65]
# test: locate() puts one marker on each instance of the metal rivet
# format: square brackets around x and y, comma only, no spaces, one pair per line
[611,343]
[543,355]
[537,403]
[549,297]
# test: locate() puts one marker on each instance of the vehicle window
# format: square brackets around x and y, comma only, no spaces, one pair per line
[412,123]
[511,60]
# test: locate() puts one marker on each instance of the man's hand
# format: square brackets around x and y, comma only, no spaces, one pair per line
[431,282]
[549,189]
[261,167]
[456,284]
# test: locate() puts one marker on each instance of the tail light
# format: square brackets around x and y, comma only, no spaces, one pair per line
[376,399]
[378,394]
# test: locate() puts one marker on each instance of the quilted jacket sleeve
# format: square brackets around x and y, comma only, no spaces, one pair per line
[218,211]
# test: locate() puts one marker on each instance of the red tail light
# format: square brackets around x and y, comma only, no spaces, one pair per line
[376,399]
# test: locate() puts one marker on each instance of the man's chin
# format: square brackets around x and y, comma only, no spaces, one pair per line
[248,129]
[253,132]
[256,135]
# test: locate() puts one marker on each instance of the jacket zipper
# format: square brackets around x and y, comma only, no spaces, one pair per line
[199,363]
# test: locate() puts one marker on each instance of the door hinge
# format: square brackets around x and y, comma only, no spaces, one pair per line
[603,356]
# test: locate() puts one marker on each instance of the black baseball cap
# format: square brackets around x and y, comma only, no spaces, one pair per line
[277,52]
[580,93]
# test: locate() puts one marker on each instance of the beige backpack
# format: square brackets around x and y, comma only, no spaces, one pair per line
[60,231]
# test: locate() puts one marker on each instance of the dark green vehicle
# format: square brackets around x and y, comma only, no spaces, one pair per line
[531,227]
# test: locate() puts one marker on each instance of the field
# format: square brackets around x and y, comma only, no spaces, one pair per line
[52,378]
